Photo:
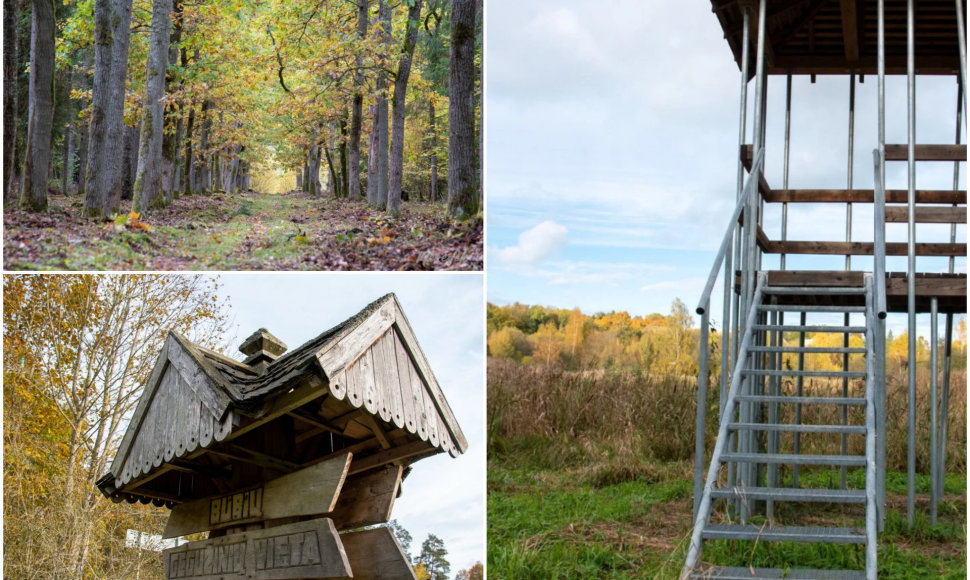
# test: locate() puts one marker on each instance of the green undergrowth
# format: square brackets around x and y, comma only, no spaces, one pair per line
[566,509]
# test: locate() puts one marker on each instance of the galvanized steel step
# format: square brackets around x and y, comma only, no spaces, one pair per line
[809,349]
[731,573]
[805,534]
[785,458]
[809,308]
[810,328]
[813,290]
[857,401]
[788,373]
[789,428]
[792,494]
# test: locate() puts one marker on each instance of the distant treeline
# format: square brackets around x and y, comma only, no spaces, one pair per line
[656,343]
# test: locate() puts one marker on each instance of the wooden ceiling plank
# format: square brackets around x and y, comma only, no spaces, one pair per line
[850,30]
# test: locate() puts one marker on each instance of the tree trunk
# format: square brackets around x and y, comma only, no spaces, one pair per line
[67,166]
[334,181]
[130,164]
[10,73]
[462,194]
[187,173]
[384,14]
[148,182]
[434,151]
[116,179]
[314,166]
[170,133]
[40,119]
[357,108]
[372,159]
[201,170]
[342,149]
[102,191]
[400,93]
[176,179]
[82,157]
[299,179]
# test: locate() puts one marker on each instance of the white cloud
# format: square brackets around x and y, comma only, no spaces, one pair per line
[535,245]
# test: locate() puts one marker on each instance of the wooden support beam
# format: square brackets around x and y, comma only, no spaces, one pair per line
[389,455]
[255,458]
[313,421]
[928,215]
[946,196]
[375,554]
[378,432]
[368,499]
[927,152]
[865,248]
[836,65]
[355,449]
[850,30]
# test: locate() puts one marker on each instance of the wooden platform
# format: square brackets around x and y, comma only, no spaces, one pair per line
[828,37]
[950,289]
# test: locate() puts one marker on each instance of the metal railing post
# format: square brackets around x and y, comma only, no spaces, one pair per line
[911,261]
[934,385]
[701,414]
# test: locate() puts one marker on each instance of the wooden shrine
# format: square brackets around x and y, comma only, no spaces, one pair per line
[281,456]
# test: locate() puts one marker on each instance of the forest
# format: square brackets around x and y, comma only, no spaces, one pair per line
[242,134]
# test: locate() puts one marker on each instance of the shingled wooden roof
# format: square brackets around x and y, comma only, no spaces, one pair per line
[206,423]
[837,36]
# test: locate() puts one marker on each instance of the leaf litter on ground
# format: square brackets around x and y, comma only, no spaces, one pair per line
[244,231]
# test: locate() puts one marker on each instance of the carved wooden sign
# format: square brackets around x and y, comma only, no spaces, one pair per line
[310,549]
[310,491]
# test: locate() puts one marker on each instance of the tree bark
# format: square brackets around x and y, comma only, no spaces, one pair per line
[357,107]
[313,166]
[40,119]
[400,93]
[188,172]
[82,156]
[372,159]
[384,14]
[434,151]
[201,169]
[342,150]
[102,190]
[115,180]
[66,166]
[462,190]
[148,182]
[170,133]
[10,71]
[130,165]
[98,119]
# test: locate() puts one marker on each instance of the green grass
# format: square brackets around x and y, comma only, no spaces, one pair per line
[552,514]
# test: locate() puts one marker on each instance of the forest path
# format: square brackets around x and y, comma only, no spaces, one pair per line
[243,231]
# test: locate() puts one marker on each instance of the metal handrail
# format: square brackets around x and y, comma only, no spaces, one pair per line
[749,187]
[704,506]
[879,233]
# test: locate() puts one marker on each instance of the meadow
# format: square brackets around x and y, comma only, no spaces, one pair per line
[590,475]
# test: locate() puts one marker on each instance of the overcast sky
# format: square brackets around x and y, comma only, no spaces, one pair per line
[611,131]
[442,495]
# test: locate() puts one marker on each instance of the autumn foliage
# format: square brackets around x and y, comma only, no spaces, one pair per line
[76,353]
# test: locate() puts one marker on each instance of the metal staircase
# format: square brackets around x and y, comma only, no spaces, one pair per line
[761,406]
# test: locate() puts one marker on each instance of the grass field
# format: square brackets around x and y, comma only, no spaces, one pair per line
[580,486]
[555,522]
